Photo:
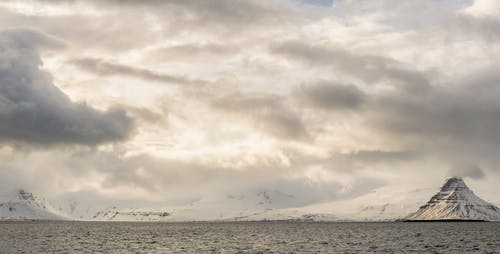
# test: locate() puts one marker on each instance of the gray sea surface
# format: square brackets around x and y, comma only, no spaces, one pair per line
[248,237]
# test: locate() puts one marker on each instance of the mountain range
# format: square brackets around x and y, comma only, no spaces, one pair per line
[454,201]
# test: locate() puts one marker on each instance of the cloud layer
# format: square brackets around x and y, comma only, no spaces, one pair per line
[35,111]
[332,98]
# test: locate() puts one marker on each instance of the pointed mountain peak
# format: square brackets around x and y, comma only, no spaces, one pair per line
[24,195]
[455,201]
[453,184]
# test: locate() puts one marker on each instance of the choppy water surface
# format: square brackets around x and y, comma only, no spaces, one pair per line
[252,237]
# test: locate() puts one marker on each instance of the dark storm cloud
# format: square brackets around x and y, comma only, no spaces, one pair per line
[102,67]
[369,68]
[331,96]
[33,110]
[267,113]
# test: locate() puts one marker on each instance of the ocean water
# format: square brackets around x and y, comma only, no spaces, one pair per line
[248,237]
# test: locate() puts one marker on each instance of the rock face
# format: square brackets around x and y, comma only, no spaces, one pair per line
[132,215]
[455,201]
[23,205]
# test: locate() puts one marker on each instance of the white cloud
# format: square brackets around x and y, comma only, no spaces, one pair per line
[249,94]
[484,8]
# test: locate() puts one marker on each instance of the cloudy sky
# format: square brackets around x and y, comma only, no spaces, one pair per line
[177,100]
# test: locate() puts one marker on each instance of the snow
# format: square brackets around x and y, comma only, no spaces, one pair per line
[383,204]
[77,209]
[455,201]
[223,208]
[23,205]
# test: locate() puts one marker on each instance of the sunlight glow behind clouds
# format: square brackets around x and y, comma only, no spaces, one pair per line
[254,94]
[34,8]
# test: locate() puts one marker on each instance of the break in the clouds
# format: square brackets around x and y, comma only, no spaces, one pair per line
[322,100]
[266,112]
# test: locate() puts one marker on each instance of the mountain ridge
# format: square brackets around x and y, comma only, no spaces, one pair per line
[455,201]
[23,205]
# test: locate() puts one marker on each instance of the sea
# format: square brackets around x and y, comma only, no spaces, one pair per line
[248,237]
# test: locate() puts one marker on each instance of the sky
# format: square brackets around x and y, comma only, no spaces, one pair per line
[172,101]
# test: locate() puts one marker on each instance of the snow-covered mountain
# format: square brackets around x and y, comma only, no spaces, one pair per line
[77,209]
[23,205]
[229,207]
[383,204]
[455,201]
